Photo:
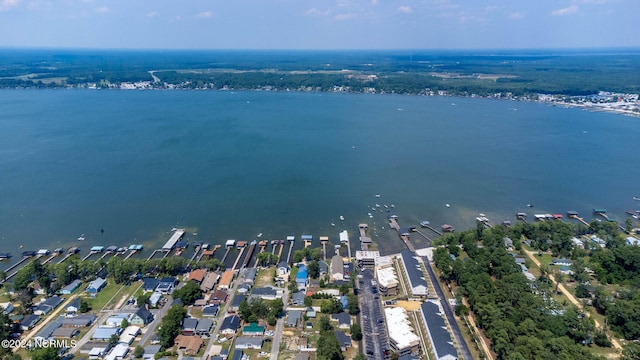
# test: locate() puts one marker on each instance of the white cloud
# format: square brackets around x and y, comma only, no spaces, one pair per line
[374,2]
[515,16]
[102,10]
[8,4]
[204,15]
[593,1]
[405,9]
[316,12]
[565,11]
[153,14]
[345,16]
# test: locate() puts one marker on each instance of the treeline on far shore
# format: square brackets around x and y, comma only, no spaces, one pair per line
[459,74]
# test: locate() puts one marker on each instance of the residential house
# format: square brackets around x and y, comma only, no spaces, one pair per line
[250,274]
[189,326]
[253,329]
[265,293]
[414,274]
[237,300]
[105,333]
[197,275]
[189,344]
[96,285]
[218,296]
[48,305]
[343,319]
[150,351]
[141,317]
[211,310]
[293,318]
[7,306]
[118,352]
[70,288]
[225,280]
[302,277]
[283,269]
[46,332]
[82,320]
[336,269]
[209,281]
[561,262]
[204,327]
[245,342]
[311,312]
[154,299]
[73,307]
[166,285]
[29,322]
[65,332]
[149,284]
[344,340]
[297,298]
[116,320]
[129,334]
[230,325]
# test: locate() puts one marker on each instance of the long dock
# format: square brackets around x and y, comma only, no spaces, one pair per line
[252,248]
[104,255]
[154,254]
[196,251]
[226,253]
[88,255]
[25,258]
[291,241]
[10,276]
[262,244]
[238,258]
[65,257]
[324,240]
[575,216]
[171,243]
[423,235]
[280,252]
[133,252]
[427,226]
[50,258]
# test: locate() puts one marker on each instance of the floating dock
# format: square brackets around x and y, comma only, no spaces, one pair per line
[177,235]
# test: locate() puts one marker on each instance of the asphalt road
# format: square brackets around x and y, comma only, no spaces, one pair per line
[374,331]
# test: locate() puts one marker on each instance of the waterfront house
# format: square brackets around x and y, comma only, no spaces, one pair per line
[141,317]
[209,281]
[96,285]
[166,285]
[70,288]
[336,269]
[283,268]
[197,275]
[250,275]
[149,284]
[225,280]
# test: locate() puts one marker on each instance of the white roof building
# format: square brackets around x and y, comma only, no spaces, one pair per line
[401,334]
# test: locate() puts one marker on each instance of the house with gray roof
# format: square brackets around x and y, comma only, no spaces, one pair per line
[189,326]
[297,298]
[46,332]
[265,293]
[29,322]
[439,338]
[413,272]
[247,342]
[230,325]
[82,320]
[105,333]
[250,274]
[70,288]
[211,310]
[343,319]
[344,340]
[204,327]
[150,351]
[235,305]
[96,285]
[141,317]
[149,284]
[48,305]
[73,307]
[293,318]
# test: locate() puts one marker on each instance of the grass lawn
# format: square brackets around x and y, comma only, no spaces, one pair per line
[264,277]
[105,296]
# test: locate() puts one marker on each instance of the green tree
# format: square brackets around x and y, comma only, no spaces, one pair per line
[45,353]
[189,293]
[308,301]
[329,347]
[356,332]
[144,299]
[84,306]
[314,269]
[138,352]
[170,325]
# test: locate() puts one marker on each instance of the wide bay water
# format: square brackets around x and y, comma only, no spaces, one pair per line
[231,165]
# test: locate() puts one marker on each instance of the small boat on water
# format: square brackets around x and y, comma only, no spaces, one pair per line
[81,237]
[636,198]
[341,218]
[377,195]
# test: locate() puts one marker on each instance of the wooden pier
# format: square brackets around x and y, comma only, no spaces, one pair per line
[280,252]
[10,276]
[262,244]
[226,253]
[196,251]
[324,240]
[427,226]
[393,223]
[104,255]
[89,255]
[290,250]
[132,252]
[49,259]
[25,258]
[423,235]
[252,248]
[575,216]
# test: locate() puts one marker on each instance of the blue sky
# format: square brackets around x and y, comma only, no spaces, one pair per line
[317,24]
